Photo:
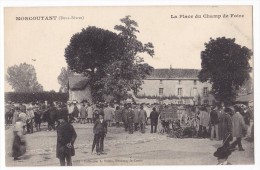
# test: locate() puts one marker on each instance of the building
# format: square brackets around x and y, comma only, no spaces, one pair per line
[79,89]
[181,86]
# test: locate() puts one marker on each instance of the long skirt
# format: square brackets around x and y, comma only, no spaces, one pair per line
[19,147]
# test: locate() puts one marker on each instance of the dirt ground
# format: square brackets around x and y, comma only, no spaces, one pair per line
[122,148]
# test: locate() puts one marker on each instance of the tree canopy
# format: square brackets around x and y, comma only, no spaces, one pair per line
[23,78]
[110,60]
[91,49]
[225,64]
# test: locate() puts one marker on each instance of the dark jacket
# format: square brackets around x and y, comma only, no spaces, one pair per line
[130,116]
[118,116]
[154,117]
[225,126]
[65,134]
[214,117]
[100,127]
[52,114]
[75,112]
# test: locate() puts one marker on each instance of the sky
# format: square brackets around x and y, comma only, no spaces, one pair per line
[177,42]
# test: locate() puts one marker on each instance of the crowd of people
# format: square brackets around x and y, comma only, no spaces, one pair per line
[215,122]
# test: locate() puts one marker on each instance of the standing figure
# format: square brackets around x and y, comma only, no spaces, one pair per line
[118,116]
[239,126]
[37,118]
[83,113]
[66,136]
[100,131]
[90,112]
[95,115]
[19,144]
[108,114]
[52,112]
[225,123]
[75,112]
[154,120]
[203,123]
[136,118]
[124,117]
[214,120]
[142,118]
[130,119]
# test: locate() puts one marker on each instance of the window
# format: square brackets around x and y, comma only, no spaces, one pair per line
[205,91]
[179,82]
[179,102]
[161,81]
[195,82]
[179,91]
[160,91]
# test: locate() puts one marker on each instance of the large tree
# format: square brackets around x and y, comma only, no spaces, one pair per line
[110,60]
[90,49]
[23,78]
[63,79]
[127,73]
[225,64]
[89,52]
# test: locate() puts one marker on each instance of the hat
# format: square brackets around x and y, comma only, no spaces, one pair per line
[229,110]
[222,152]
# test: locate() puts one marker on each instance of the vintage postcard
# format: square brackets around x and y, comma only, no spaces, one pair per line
[129,85]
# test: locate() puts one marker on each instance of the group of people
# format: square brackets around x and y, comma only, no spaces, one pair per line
[217,122]
[229,124]
[224,123]
[132,116]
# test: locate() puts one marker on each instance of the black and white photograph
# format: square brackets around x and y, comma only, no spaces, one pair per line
[129,85]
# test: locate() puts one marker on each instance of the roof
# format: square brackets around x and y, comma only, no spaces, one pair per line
[78,82]
[174,74]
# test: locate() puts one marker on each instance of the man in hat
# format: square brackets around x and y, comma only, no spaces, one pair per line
[124,116]
[66,136]
[108,114]
[225,123]
[238,127]
[154,120]
[83,113]
[130,119]
[214,120]
[222,154]
[100,131]
[37,117]
[136,117]
[142,118]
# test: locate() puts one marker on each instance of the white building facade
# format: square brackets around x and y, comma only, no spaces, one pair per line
[182,86]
